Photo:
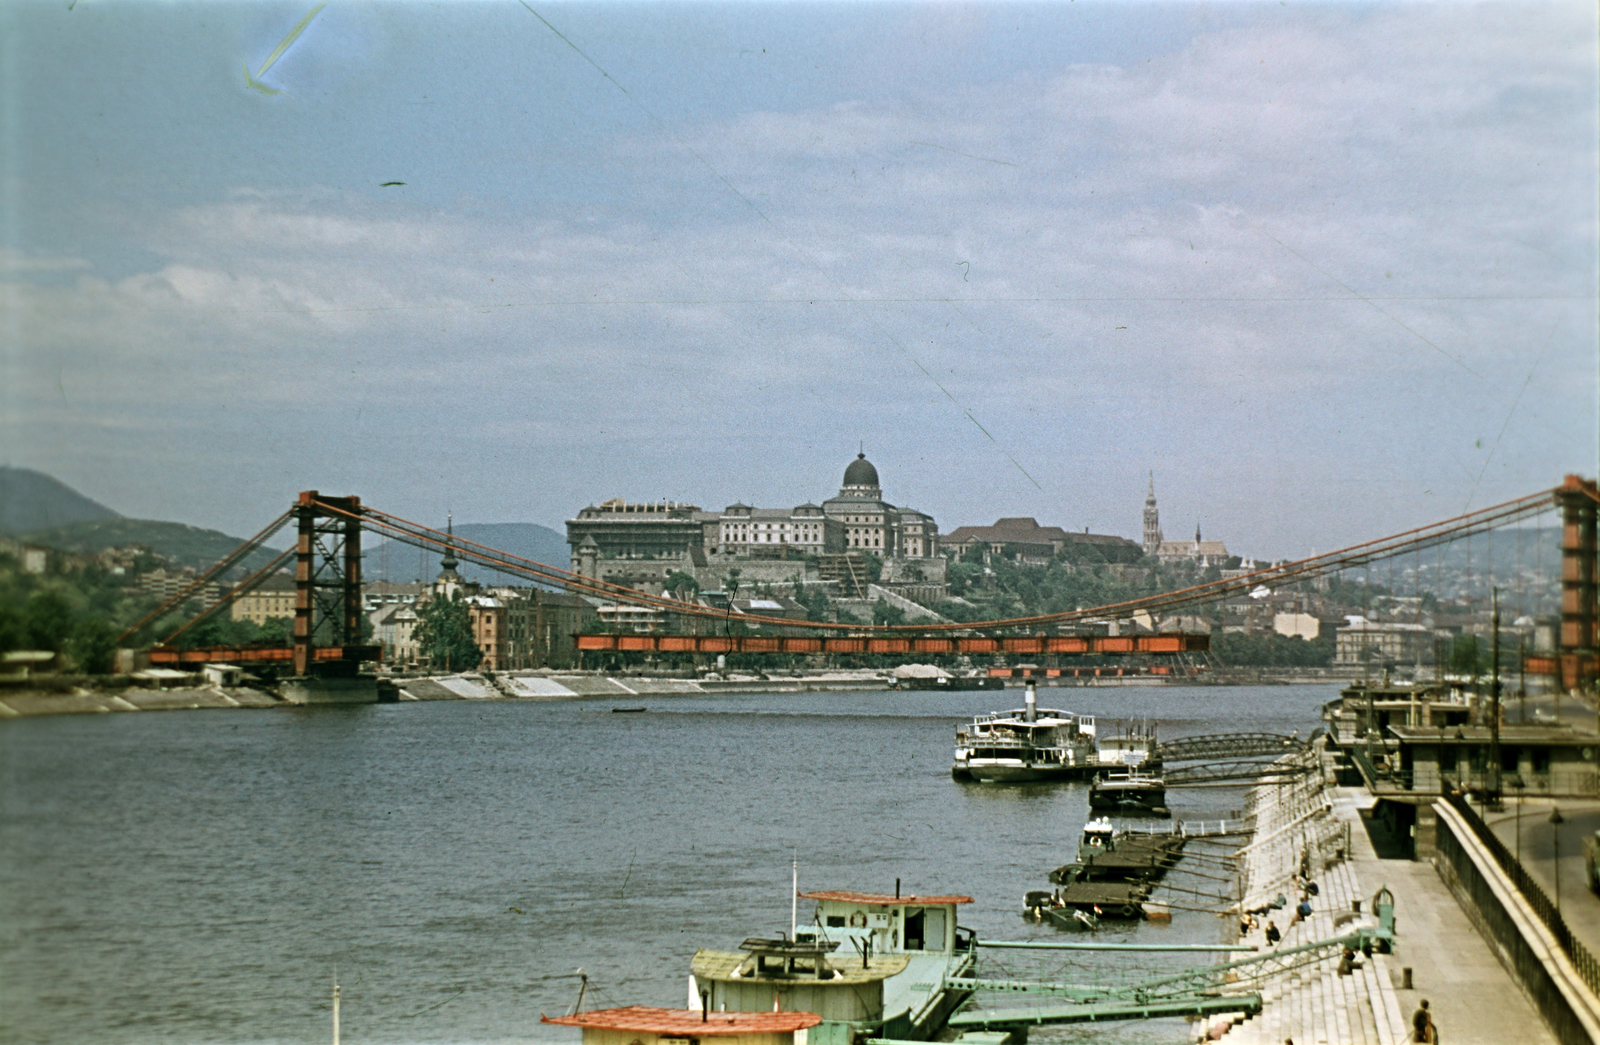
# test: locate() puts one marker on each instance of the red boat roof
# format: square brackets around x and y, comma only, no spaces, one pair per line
[875,898]
[685,1023]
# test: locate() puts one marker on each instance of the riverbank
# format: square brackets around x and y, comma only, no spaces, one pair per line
[1437,955]
[179,691]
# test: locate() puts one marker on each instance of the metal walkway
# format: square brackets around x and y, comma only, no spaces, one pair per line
[1218,747]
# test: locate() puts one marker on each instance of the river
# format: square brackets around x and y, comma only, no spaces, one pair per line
[198,877]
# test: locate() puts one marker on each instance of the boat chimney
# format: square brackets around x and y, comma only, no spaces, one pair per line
[1032,701]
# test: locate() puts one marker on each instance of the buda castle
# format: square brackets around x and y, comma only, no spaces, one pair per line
[642,544]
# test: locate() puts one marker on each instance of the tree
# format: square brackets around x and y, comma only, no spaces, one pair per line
[50,621]
[681,584]
[885,614]
[444,634]
[93,646]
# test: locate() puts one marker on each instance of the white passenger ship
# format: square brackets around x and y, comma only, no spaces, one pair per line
[1031,743]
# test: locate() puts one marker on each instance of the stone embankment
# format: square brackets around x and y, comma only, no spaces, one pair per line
[84,696]
[1314,827]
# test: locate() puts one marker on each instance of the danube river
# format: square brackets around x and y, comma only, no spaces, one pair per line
[198,876]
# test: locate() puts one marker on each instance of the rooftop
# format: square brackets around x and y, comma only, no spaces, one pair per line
[688,1022]
[880,898]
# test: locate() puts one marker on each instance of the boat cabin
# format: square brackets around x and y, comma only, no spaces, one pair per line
[889,924]
[1098,836]
[641,1025]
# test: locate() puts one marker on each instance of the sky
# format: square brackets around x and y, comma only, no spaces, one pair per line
[1328,271]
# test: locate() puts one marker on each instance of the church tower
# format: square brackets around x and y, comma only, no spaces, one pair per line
[449,581]
[1152,520]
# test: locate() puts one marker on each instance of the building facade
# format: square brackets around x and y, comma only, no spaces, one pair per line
[874,525]
[641,544]
[1025,541]
[273,597]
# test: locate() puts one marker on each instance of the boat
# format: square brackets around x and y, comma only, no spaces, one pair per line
[947,682]
[1133,747]
[1028,744]
[870,964]
[1129,793]
[1106,854]
[1081,905]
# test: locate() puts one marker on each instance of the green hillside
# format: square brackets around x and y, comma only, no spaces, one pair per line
[186,545]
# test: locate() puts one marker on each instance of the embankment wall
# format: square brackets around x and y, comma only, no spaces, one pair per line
[1508,923]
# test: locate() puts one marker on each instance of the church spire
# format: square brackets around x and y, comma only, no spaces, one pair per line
[449,561]
[1152,520]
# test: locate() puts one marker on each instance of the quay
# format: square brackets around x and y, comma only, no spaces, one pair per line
[161,689]
[1485,899]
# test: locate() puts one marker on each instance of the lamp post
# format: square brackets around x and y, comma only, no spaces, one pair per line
[1518,783]
[1556,820]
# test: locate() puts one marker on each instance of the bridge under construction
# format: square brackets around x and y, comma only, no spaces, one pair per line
[327,643]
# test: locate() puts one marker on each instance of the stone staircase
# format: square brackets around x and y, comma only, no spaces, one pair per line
[1310,1003]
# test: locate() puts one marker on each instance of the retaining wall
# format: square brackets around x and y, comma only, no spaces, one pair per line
[1521,941]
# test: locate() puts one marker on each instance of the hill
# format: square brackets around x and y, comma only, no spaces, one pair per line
[31,500]
[401,562]
[186,545]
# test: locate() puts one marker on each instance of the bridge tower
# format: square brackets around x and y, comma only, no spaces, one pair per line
[1577,647]
[327,578]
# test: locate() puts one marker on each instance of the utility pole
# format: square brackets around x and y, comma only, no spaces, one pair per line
[1491,798]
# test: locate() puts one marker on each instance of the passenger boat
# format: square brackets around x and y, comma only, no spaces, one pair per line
[871,965]
[1129,793]
[1031,743]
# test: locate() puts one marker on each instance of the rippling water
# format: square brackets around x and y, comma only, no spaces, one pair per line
[198,876]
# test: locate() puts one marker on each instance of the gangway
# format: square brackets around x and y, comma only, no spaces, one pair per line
[1232,774]
[1219,747]
[1225,987]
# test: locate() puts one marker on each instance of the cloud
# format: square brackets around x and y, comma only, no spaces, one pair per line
[1329,237]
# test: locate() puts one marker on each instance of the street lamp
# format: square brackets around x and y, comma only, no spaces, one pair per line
[1518,783]
[1556,820]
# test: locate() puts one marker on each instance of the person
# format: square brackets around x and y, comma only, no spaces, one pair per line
[1273,935]
[1422,1024]
[1347,963]
[1302,910]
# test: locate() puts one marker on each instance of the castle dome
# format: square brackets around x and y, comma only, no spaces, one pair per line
[860,472]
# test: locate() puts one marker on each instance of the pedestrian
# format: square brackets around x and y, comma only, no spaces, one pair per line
[1422,1025]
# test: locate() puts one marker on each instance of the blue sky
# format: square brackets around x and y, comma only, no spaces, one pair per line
[1328,270]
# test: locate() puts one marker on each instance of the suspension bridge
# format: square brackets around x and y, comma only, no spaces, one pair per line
[327,563]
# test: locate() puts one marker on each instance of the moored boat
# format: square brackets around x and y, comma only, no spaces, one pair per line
[1129,793]
[864,964]
[1028,744]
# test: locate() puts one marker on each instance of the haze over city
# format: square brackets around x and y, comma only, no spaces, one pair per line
[1328,271]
